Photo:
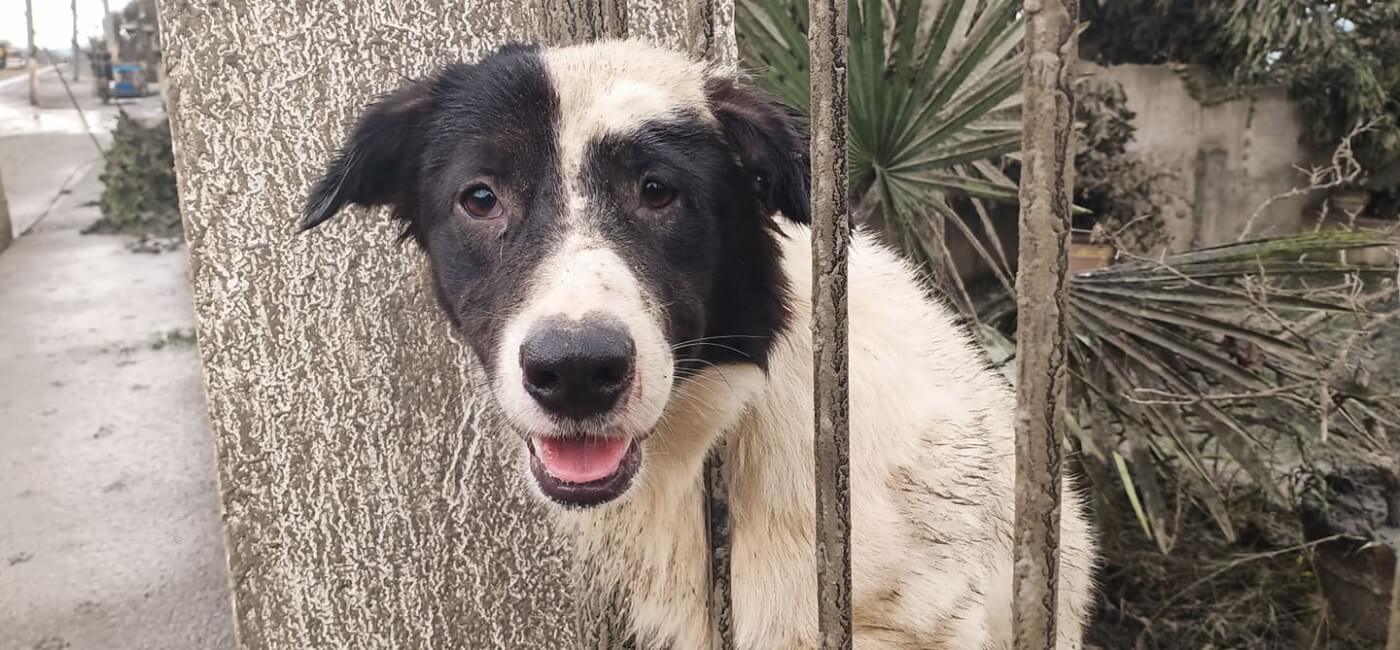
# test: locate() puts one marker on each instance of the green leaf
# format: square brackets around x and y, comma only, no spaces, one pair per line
[974,186]
[1206,296]
[1275,345]
[966,151]
[935,72]
[1291,246]
[1172,343]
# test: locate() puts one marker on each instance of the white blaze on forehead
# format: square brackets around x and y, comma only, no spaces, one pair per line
[583,277]
[615,86]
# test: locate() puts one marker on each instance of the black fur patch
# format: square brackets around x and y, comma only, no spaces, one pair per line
[419,148]
[710,258]
[771,143]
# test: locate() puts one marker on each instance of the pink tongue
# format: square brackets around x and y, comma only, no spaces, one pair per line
[581,460]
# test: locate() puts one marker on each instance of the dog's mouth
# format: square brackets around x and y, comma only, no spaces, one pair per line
[584,471]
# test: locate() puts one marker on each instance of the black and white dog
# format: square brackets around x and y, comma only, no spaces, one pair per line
[617,232]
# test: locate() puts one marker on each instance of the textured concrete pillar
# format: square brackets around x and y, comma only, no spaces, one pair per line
[365,503]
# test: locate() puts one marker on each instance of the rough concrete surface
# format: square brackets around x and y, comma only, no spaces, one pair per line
[110,536]
[1227,158]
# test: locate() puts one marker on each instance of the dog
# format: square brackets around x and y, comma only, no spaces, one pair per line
[618,233]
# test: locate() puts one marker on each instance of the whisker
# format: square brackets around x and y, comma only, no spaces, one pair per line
[718,337]
[720,371]
[694,378]
[716,345]
[690,400]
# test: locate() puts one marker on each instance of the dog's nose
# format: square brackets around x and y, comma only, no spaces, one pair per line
[577,369]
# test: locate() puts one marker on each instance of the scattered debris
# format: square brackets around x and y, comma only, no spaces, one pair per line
[119,485]
[179,337]
[1260,591]
[153,245]
[52,643]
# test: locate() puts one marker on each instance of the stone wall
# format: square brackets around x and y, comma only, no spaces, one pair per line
[1228,157]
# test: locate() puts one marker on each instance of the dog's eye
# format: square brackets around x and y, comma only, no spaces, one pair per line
[656,194]
[479,201]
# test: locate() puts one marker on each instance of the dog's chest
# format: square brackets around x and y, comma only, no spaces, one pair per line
[656,554]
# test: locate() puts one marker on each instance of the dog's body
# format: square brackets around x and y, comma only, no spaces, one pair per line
[931,487]
[608,228]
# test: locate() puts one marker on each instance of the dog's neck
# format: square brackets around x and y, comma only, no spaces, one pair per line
[646,540]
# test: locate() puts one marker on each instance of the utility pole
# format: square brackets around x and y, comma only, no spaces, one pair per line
[109,31]
[77,52]
[33,65]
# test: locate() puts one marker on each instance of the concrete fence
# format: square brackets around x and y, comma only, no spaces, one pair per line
[1227,157]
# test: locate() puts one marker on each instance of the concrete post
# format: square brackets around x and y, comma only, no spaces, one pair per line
[1047,189]
[6,227]
[109,31]
[77,51]
[831,234]
[365,498]
[31,62]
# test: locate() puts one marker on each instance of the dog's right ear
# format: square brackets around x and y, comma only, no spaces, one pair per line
[378,159]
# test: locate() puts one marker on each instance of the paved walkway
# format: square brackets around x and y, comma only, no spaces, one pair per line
[110,536]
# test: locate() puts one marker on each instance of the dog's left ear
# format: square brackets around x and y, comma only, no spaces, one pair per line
[378,159]
[771,143]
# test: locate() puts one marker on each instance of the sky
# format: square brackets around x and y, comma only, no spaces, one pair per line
[53,21]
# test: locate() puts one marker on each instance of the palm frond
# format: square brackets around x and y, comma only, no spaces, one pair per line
[1192,367]
[934,88]
[1204,355]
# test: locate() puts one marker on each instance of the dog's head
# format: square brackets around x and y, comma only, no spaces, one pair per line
[599,221]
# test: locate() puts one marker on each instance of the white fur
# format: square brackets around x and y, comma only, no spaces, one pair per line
[931,438]
[931,487]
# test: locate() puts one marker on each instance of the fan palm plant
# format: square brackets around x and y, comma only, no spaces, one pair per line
[1192,366]
[935,99]
[1238,359]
